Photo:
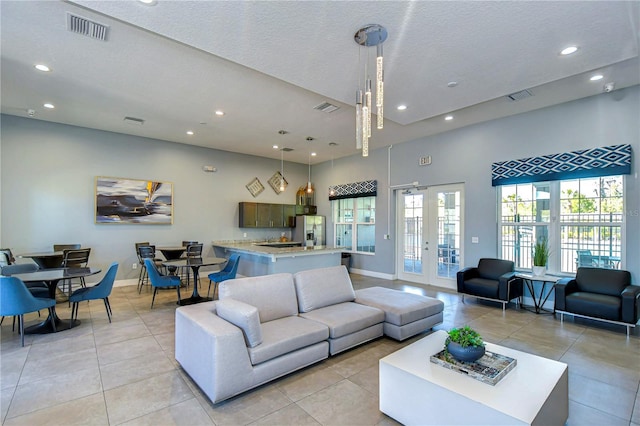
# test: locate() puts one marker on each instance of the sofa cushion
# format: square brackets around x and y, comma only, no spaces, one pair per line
[345,318]
[399,307]
[286,335]
[273,295]
[317,288]
[594,305]
[482,287]
[243,316]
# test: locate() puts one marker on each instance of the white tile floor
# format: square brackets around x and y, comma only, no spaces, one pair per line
[125,372]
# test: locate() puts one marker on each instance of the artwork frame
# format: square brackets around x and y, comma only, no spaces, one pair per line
[133,201]
[275,181]
[255,187]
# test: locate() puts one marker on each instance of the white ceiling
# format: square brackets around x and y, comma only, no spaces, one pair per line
[268,63]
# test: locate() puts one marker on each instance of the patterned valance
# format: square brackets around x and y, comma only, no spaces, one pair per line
[605,161]
[353,190]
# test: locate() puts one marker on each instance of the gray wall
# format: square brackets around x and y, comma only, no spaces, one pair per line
[48,188]
[465,155]
[48,173]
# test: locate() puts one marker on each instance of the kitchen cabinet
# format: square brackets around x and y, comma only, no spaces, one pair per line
[265,215]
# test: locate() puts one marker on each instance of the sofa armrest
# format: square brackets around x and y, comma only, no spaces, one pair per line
[212,351]
[465,274]
[630,300]
[563,288]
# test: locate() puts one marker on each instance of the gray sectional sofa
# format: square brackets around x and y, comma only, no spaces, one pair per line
[265,327]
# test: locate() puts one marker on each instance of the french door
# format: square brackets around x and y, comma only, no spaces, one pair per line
[429,229]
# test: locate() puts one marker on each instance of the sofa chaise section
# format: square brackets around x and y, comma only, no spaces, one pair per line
[326,296]
[405,314]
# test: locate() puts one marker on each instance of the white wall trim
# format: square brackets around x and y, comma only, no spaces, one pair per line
[124,283]
[373,274]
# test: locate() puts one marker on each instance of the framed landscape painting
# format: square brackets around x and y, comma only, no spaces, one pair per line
[133,201]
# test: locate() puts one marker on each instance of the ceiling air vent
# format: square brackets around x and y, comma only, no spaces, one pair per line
[326,107]
[133,120]
[518,96]
[287,149]
[79,25]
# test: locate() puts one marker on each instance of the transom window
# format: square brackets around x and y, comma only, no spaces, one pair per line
[582,219]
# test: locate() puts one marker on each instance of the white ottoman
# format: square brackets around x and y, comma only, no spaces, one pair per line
[405,314]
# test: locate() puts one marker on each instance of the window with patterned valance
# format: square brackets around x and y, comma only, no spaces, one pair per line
[366,188]
[594,162]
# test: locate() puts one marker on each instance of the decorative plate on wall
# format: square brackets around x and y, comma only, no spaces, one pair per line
[276,180]
[255,187]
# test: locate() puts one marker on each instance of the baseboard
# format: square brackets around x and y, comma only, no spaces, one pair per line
[124,283]
[549,304]
[373,274]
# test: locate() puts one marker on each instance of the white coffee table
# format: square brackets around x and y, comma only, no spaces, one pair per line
[415,391]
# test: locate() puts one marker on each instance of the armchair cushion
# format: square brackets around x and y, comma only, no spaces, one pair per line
[602,281]
[594,305]
[243,316]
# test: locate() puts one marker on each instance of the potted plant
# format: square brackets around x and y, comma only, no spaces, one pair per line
[540,256]
[464,344]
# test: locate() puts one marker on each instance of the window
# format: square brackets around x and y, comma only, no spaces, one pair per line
[354,221]
[581,218]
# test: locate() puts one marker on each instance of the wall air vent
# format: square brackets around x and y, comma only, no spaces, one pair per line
[133,120]
[326,107]
[286,149]
[86,27]
[518,96]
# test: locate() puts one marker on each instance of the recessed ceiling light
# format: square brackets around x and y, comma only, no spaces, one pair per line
[42,67]
[596,77]
[50,106]
[148,2]
[452,84]
[313,154]
[569,50]
[220,113]
[190,132]
[402,107]
[449,117]
[275,147]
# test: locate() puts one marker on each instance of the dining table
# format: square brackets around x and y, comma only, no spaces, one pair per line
[172,253]
[45,259]
[194,263]
[51,277]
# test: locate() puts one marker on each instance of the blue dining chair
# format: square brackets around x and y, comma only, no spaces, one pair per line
[37,289]
[160,281]
[17,300]
[228,273]
[102,290]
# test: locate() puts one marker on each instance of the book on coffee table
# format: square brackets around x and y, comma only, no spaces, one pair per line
[490,369]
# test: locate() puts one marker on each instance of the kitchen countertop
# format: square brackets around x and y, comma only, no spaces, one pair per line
[254,248]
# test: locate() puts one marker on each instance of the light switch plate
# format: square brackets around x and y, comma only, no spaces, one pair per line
[474,240]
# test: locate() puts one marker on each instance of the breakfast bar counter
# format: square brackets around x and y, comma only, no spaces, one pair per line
[263,258]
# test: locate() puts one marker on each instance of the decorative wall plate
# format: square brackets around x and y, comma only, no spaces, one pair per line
[255,187]
[276,180]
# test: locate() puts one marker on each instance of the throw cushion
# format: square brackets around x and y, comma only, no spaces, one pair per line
[243,316]
[317,288]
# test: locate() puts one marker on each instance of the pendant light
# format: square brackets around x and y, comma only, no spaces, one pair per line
[309,188]
[368,36]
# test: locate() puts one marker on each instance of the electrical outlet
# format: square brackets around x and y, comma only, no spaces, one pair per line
[475,240]
[244,235]
[134,266]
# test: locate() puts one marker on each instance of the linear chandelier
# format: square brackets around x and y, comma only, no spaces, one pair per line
[370,35]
